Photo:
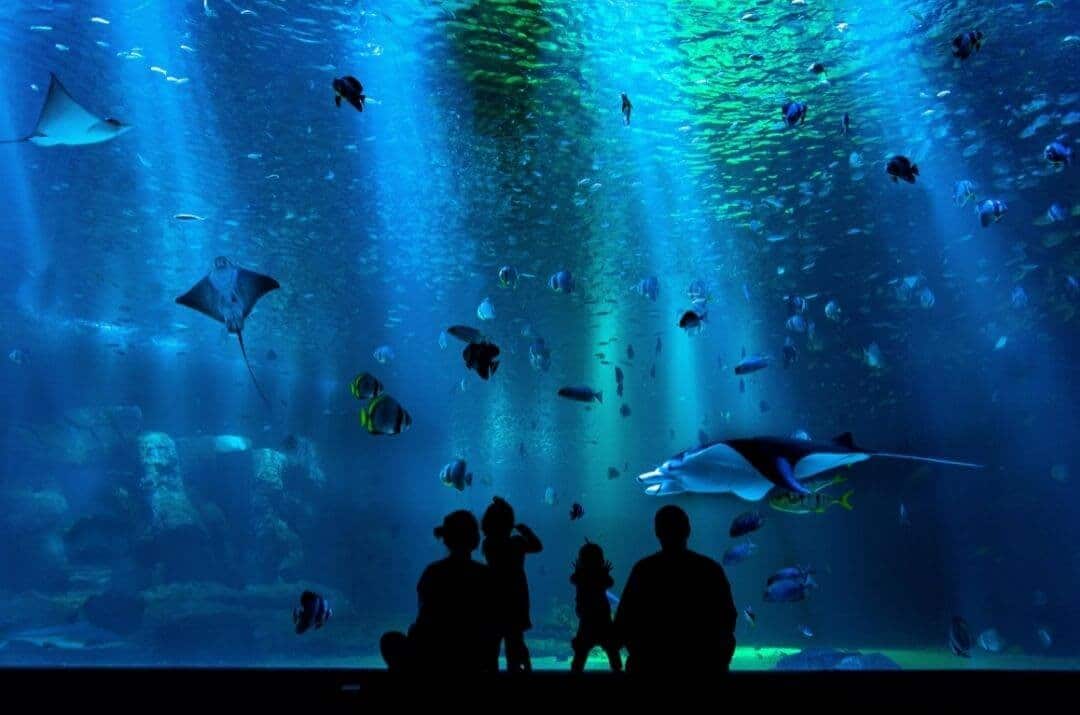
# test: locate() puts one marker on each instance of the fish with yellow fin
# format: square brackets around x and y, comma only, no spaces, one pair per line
[815,502]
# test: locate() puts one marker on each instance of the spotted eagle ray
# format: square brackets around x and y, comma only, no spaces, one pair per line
[227,294]
[749,468]
[64,122]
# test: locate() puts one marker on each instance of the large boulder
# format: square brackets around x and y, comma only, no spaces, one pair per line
[171,534]
[304,483]
[277,551]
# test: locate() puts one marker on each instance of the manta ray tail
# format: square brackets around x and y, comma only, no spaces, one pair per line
[258,387]
[931,460]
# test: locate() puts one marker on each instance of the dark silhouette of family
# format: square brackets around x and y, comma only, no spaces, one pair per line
[676,615]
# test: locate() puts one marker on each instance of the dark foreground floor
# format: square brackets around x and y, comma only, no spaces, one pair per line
[319,690]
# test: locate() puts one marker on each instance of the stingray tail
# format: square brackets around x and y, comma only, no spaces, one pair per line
[258,387]
[16,141]
[930,460]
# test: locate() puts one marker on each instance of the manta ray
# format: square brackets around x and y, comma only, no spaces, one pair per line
[64,122]
[749,468]
[227,294]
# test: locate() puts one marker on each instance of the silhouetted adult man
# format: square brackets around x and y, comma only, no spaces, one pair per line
[676,615]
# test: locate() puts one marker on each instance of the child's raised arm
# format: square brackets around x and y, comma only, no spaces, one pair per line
[532,543]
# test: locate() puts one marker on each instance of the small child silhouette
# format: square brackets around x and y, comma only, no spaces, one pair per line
[505,554]
[592,577]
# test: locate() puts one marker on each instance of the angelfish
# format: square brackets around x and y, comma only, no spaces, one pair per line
[749,468]
[227,294]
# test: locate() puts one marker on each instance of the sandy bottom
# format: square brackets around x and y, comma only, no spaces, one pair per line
[750,658]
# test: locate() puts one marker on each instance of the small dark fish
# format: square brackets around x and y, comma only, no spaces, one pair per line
[383,415]
[455,474]
[960,637]
[1057,152]
[618,381]
[900,167]
[314,610]
[739,553]
[991,211]
[763,406]
[750,364]
[612,473]
[787,590]
[652,371]
[624,410]
[349,89]
[626,108]
[794,113]
[629,352]
[845,124]
[465,333]
[271,355]
[792,573]
[965,44]
[581,393]
[508,277]
[816,68]
[521,450]
[746,523]
[576,511]
[691,319]
[561,282]
[480,357]
[365,386]
[659,346]
[791,353]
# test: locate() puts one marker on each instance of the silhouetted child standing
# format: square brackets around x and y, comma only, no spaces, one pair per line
[592,577]
[505,554]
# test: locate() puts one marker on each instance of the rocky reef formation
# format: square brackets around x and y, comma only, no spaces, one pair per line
[172,535]
[32,553]
[830,659]
[150,544]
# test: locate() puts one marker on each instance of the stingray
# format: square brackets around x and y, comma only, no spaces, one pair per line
[227,294]
[64,122]
[749,468]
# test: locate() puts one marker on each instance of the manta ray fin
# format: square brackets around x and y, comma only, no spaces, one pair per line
[204,298]
[250,286]
[258,387]
[61,111]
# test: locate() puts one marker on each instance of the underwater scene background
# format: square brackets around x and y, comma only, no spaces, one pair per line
[155,510]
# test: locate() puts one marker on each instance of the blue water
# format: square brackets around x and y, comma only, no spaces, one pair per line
[156,510]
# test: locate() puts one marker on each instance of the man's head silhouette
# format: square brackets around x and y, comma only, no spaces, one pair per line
[672,528]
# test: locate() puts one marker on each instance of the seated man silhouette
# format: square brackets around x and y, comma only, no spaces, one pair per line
[676,616]
[455,630]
